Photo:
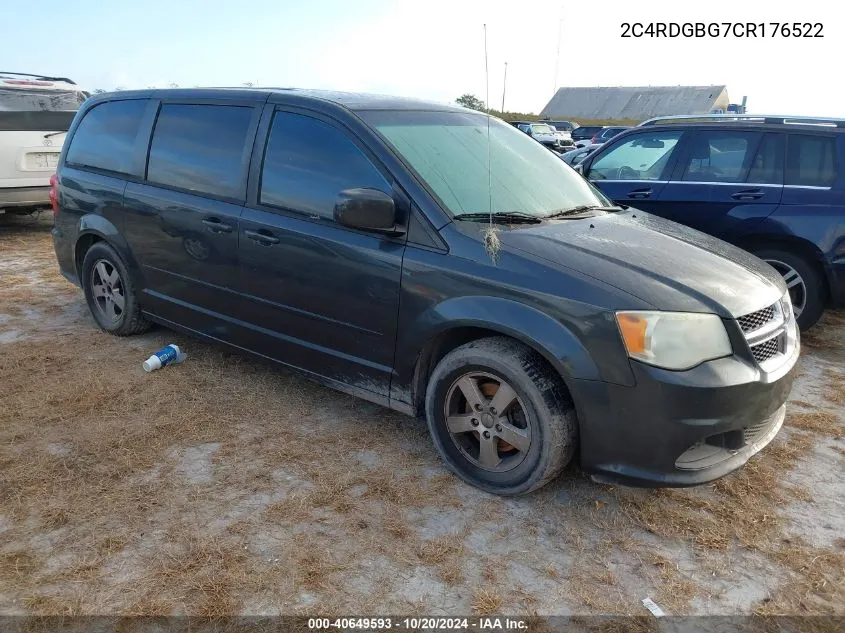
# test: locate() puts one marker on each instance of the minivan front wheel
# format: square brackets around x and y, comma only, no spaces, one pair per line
[805,285]
[110,293]
[500,417]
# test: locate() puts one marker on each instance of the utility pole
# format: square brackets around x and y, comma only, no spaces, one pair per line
[557,58]
[504,87]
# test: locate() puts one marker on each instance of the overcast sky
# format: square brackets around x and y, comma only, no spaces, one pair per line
[431,49]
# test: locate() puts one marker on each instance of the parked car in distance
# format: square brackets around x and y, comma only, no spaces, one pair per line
[608,132]
[35,113]
[543,133]
[774,186]
[345,236]
[564,139]
[575,156]
[584,133]
[563,126]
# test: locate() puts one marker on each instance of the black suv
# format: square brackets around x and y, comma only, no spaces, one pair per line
[585,132]
[436,261]
[774,186]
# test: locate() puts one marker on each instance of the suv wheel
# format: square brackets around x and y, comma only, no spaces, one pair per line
[110,293]
[500,417]
[805,285]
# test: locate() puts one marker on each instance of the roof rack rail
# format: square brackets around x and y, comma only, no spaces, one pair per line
[774,119]
[44,77]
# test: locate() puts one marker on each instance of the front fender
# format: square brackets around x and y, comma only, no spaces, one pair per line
[561,342]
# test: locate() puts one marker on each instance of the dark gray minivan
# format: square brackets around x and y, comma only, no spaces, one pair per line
[435,261]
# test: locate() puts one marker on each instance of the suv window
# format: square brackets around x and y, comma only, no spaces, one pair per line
[201,148]
[105,138]
[639,157]
[810,160]
[308,162]
[719,156]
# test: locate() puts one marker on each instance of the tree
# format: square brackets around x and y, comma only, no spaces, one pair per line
[470,101]
[98,91]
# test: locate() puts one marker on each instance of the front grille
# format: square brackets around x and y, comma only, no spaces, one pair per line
[765,350]
[756,320]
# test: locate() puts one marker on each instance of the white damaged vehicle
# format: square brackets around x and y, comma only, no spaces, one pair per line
[35,114]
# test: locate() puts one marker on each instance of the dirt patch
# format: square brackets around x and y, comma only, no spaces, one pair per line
[225,486]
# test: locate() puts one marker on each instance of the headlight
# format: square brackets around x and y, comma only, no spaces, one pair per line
[792,335]
[673,340]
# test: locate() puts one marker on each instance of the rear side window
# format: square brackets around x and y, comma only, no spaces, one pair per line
[720,156]
[105,138]
[810,160]
[308,162]
[201,148]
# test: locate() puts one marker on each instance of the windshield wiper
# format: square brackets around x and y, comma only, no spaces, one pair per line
[579,210]
[513,217]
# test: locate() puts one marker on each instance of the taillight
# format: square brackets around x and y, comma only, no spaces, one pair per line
[54,193]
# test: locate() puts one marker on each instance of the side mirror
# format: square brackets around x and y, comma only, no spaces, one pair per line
[579,168]
[366,209]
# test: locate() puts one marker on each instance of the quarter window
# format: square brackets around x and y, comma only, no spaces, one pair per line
[105,138]
[640,157]
[308,162]
[201,148]
[810,161]
[767,165]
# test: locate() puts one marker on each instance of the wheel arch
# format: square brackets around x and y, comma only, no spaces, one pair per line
[807,250]
[482,317]
[95,228]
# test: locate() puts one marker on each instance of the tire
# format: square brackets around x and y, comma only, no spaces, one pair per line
[105,281]
[809,294]
[537,399]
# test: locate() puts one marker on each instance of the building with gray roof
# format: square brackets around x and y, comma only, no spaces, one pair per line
[635,103]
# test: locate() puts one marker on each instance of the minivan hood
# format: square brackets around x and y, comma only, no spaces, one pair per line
[667,265]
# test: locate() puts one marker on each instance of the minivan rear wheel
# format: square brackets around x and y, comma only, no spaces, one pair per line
[110,292]
[804,283]
[500,417]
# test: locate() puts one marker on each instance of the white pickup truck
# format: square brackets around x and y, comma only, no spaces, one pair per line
[35,114]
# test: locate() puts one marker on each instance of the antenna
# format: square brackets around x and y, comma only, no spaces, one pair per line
[487,101]
[491,240]
[504,87]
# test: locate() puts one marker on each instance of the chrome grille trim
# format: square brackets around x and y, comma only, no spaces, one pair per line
[770,348]
[756,320]
[765,332]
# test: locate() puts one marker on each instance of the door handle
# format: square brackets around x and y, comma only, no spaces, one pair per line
[640,193]
[215,225]
[261,238]
[751,194]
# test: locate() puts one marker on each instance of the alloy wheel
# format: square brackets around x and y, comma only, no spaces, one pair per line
[487,421]
[107,290]
[794,284]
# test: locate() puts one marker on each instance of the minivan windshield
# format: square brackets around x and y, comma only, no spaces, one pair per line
[449,151]
[542,129]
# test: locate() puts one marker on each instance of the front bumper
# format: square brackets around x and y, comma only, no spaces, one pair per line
[681,428]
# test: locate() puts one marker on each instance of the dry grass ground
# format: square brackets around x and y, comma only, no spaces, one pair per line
[225,486]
